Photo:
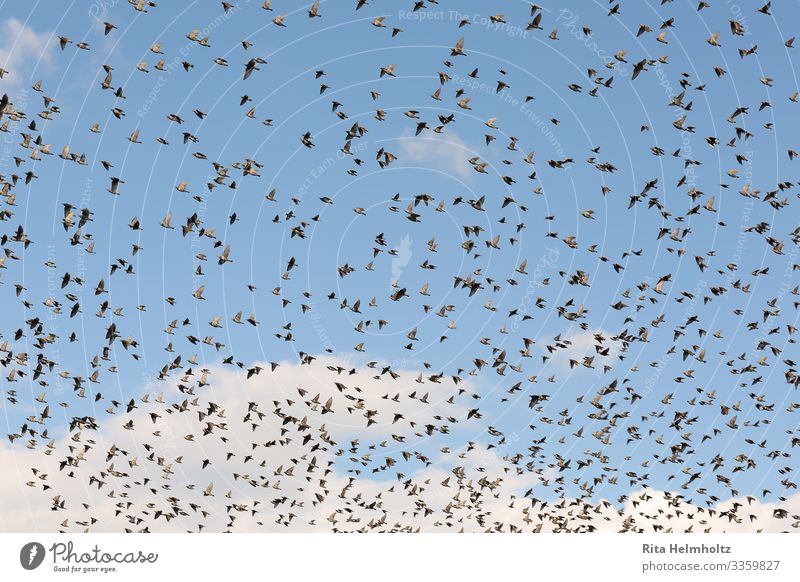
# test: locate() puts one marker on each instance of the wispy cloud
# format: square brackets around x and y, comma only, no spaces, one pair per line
[22,49]
[443,151]
[584,344]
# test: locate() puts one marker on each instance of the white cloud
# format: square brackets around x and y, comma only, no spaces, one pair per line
[151,460]
[22,49]
[153,470]
[442,151]
[580,345]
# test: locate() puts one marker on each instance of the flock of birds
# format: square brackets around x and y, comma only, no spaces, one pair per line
[221,444]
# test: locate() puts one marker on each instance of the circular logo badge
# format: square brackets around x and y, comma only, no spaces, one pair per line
[31,555]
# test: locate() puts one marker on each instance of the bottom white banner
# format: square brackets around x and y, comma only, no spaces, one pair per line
[392,557]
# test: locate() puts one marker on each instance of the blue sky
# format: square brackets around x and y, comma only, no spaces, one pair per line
[351,52]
